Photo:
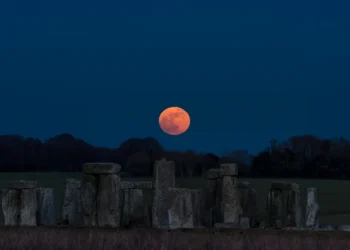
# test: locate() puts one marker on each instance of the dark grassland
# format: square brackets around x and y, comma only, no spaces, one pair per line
[334,197]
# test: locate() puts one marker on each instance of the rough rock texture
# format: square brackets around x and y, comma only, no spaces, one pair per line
[312,208]
[28,207]
[229,169]
[72,210]
[209,218]
[109,201]
[180,208]
[11,202]
[230,202]
[46,206]
[164,178]
[275,208]
[136,184]
[249,202]
[88,197]
[96,168]
[213,174]
[293,213]
[22,184]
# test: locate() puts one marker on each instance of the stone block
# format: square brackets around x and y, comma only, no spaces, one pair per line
[180,208]
[72,210]
[89,192]
[97,168]
[163,179]
[229,169]
[109,201]
[213,173]
[22,184]
[28,207]
[11,206]
[46,206]
[230,202]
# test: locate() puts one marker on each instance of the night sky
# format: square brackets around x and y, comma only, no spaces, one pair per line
[246,71]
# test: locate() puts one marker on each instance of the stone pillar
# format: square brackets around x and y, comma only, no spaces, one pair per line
[293,214]
[163,179]
[135,210]
[72,211]
[211,199]
[312,209]
[181,208]
[249,203]
[230,195]
[101,195]
[276,205]
[19,203]
[46,206]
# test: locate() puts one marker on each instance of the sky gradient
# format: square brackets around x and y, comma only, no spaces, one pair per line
[247,72]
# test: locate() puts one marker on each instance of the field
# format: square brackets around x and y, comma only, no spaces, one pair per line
[334,195]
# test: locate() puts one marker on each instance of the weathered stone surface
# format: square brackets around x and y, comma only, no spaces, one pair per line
[134,209]
[293,214]
[164,178]
[46,206]
[229,169]
[22,184]
[109,201]
[278,185]
[249,202]
[227,225]
[275,208]
[312,208]
[196,196]
[244,222]
[180,208]
[72,210]
[89,190]
[136,185]
[208,217]
[29,207]
[213,173]
[343,228]
[11,206]
[230,203]
[96,168]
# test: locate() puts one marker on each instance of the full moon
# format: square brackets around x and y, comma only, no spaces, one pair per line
[174,121]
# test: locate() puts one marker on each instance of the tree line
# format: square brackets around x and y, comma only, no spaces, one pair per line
[304,156]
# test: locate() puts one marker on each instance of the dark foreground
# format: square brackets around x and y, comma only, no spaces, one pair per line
[152,239]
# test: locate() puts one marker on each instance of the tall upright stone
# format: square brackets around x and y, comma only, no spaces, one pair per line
[211,199]
[72,211]
[230,201]
[249,203]
[46,206]
[19,203]
[293,214]
[163,179]
[312,208]
[181,210]
[101,195]
[276,205]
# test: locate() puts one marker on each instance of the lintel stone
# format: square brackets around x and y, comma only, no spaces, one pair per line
[101,168]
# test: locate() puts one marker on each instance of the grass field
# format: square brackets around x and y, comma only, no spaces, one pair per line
[334,195]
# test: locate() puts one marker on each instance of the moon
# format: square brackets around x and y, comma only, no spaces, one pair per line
[174,121]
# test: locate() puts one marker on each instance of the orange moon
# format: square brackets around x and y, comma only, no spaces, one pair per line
[174,121]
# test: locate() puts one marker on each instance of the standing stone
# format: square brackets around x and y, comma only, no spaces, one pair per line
[249,202]
[275,207]
[137,207]
[231,207]
[312,208]
[163,179]
[88,197]
[210,193]
[11,202]
[46,206]
[29,207]
[293,218]
[72,211]
[109,200]
[126,210]
[180,208]
[196,196]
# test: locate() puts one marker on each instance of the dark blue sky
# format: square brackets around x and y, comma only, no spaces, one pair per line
[246,71]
